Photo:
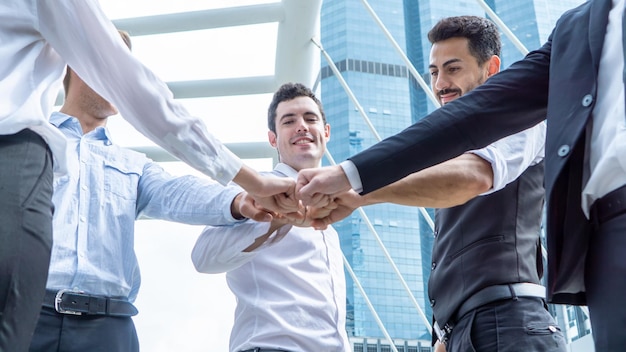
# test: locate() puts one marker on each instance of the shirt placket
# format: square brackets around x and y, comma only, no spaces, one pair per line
[83,212]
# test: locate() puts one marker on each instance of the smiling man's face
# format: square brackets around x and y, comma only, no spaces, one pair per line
[454,71]
[301,133]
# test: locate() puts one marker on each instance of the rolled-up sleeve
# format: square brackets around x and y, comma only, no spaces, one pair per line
[512,155]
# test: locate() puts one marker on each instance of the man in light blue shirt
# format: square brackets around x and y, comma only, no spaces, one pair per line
[94,275]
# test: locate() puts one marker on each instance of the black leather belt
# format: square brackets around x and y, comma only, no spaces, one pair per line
[259,349]
[488,295]
[79,303]
[497,293]
[609,206]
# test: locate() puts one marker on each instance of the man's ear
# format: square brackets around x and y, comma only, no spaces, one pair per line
[271,137]
[493,65]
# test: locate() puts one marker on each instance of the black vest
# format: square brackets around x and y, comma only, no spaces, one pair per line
[490,240]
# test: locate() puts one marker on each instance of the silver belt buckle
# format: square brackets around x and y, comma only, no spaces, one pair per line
[59,298]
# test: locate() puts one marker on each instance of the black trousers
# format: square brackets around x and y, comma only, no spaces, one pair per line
[511,325]
[25,235]
[605,281]
[80,333]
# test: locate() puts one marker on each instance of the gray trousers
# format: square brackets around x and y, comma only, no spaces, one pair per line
[25,235]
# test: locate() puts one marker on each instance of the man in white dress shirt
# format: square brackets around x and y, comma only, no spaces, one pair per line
[288,277]
[37,39]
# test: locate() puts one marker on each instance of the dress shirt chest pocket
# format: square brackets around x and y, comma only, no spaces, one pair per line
[121,175]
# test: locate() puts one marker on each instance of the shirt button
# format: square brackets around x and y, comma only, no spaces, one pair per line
[563,150]
[82,219]
[587,100]
[432,302]
[433,266]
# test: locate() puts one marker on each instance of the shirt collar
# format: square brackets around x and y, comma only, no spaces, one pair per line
[59,119]
[286,170]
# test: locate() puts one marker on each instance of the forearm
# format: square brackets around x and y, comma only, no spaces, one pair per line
[448,184]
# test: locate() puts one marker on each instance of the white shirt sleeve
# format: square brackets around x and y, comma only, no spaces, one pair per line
[512,155]
[86,39]
[220,248]
[352,173]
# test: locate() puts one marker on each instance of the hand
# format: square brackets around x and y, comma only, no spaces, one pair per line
[440,347]
[341,206]
[275,194]
[315,185]
[244,206]
[285,205]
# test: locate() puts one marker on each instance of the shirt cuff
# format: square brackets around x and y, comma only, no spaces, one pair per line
[352,173]
[230,192]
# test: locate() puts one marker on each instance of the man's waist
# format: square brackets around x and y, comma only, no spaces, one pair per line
[485,296]
[82,303]
[111,280]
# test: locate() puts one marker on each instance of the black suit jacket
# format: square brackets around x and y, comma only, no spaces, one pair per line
[557,82]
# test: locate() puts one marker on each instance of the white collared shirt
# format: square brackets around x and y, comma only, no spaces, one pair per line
[509,157]
[291,291]
[607,152]
[37,39]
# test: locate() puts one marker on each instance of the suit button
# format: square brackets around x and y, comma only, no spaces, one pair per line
[587,100]
[432,302]
[563,150]
[432,267]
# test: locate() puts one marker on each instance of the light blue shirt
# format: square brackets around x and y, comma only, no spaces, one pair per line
[96,203]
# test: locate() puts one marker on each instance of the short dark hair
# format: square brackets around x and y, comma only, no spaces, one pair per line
[482,34]
[66,80]
[286,92]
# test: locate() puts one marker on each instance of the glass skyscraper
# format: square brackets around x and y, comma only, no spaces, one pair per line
[392,100]
[378,77]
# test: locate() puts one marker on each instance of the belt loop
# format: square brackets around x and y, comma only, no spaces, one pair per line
[513,294]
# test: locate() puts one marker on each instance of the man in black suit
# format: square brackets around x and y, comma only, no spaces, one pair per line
[572,81]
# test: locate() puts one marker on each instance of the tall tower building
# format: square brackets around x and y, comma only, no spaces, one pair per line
[392,100]
[379,79]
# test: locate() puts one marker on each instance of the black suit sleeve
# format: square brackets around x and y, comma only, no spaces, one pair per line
[509,102]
